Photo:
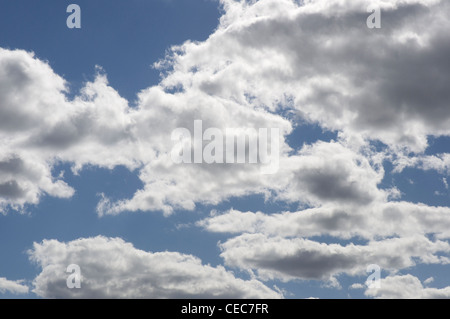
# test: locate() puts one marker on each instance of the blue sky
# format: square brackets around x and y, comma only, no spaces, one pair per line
[368,141]
[111,36]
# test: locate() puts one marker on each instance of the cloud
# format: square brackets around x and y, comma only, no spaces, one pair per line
[379,220]
[444,180]
[30,95]
[393,235]
[13,287]
[28,102]
[296,258]
[325,173]
[23,178]
[169,186]
[357,286]
[439,162]
[335,70]
[113,268]
[406,287]
[40,128]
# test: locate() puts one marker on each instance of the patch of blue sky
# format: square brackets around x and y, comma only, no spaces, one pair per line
[124,37]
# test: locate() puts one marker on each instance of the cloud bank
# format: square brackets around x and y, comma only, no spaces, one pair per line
[113,268]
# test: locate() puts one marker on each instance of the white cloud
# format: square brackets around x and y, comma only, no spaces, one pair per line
[169,186]
[378,220]
[14,287]
[112,268]
[406,287]
[23,180]
[325,173]
[323,61]
[296,258]
[357,286]
[393,235]
[439,162]
[40,127]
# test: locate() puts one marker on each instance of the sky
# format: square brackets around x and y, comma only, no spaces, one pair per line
[359,174]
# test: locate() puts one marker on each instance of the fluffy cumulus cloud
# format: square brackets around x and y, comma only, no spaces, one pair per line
[40,127]
[321,60]
[113,268]
[331,174]
[406,287]
[298,258]
[13,287]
